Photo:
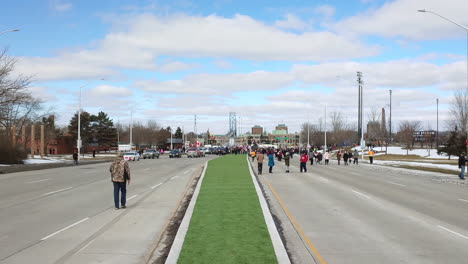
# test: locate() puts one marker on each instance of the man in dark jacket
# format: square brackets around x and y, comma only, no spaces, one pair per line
[461,165]
[75,157]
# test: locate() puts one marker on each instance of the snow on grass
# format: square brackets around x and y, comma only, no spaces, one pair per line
[426,153]
[4,165]
[420,164]
[41,161]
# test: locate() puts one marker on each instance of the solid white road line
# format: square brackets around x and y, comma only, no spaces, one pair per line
[453,232]
[324,179]
[63,229]
[156,185]
[146,169]
[396,183]
[361,194]
[85,246]
[132,197]
[466,201]
[39,181]
[57,191]
[174,177]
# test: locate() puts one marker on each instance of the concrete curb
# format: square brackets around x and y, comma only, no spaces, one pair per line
[176,247]
[278,246]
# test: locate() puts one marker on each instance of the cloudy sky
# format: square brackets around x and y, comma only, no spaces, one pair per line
[269,61]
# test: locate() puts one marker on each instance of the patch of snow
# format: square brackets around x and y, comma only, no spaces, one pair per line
[4,165]
[41,161]
[426,153]
[419,164]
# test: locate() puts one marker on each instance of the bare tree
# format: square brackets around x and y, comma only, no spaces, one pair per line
[406,133]
[459,110]
[374,114]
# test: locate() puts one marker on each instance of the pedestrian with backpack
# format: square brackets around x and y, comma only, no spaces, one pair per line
[356,156]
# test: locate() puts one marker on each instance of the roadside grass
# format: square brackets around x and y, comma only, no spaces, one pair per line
[227,225]
[440,170]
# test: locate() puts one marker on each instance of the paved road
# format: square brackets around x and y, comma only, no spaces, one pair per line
[372,214]
[47,215]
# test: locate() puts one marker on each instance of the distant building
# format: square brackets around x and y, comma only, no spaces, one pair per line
[257,130]
[282,127]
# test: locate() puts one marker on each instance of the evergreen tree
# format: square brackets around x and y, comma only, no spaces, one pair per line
[104,132]
[455,144]
[85,123]
[178,133]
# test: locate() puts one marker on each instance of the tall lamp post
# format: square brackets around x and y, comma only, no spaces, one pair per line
[437,132]
[466,29]
[8,30]
[78,141]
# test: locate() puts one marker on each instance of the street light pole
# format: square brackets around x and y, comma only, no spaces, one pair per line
[437,132]
[390,139]
[466,29]
[8,30]
[325,128]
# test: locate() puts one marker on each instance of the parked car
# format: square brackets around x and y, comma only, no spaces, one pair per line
[151,154]
[131,156]
[193,153]
[175,153]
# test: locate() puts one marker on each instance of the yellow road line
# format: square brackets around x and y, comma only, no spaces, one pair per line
[296,225]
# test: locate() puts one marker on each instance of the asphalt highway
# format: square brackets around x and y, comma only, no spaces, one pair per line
[37,207]
[373,214]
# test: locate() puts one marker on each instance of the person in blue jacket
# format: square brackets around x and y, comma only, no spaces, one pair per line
[271,161]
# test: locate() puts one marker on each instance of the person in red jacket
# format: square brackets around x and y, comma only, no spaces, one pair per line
[304,158]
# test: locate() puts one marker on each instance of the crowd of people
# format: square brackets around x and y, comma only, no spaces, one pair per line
[312,156]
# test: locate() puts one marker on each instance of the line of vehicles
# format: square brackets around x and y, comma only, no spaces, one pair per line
[176,153]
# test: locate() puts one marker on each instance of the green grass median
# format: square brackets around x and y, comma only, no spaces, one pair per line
[227,225]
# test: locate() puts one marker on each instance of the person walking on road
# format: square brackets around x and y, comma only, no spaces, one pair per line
[303,160]
[286,161]
[252,154]
[345,158]
[260,158]
[356,156]
[326,157]
[311,156]
[75,158]
[461,166]
[271,162]
[120,177]
[338,156]
[371,156]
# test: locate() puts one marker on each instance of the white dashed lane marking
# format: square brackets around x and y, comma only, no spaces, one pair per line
[61,190]
[38,181]
[453,232]
[63,229]
[356,192]
[156,185]
[394,183]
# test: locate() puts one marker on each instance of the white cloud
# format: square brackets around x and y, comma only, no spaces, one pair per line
[219,84]
[326,11]
[108,91]
[60,6]
[400,19]
[291,22]
[176,66]
[145,38]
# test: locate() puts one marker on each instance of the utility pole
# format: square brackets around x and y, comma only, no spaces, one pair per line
[308,132]
[437,132]
[390,139]
[325,129]
[195,130]
[131,129]
[359,80]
